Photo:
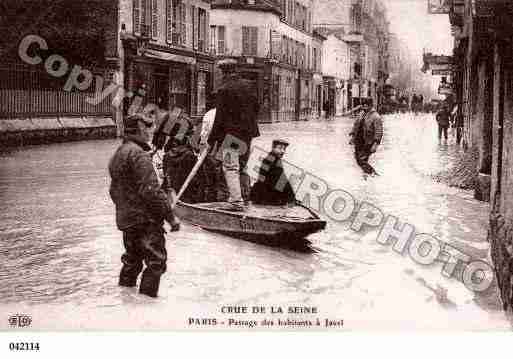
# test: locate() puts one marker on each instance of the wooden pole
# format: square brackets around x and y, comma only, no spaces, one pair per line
[194,170]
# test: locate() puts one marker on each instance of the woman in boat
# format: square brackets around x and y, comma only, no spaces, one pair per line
[271,189]
[178,162]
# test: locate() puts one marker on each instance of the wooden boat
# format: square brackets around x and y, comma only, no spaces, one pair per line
[257,221]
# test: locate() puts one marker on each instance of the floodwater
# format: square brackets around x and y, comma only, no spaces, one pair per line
[60,250]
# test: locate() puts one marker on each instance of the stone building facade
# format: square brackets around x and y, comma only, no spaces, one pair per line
[336,70]
[483,86]
[276,50]
[164,52]
[363,25]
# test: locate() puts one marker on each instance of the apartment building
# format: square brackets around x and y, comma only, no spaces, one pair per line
[276,49]
[164,45]
[363,26]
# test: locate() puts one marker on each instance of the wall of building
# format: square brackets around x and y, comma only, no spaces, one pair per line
[332,13]
[501,218]
[234,19]
[336,58]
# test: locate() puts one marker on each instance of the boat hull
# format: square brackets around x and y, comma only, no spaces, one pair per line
[257,221]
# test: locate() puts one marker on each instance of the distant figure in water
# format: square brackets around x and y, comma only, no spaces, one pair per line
[443,118]
[273,187]
[366,136]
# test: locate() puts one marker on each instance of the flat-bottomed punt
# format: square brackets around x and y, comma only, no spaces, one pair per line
[261,221]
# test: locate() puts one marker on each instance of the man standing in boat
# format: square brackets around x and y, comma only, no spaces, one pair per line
[234,128]
[272,186]
[141,207]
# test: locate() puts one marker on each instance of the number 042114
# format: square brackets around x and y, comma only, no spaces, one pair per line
[24,346]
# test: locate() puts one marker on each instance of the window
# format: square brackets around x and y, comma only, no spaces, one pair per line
[141,13]
[176,22]
[137,16]
[202,29]
[307,57]
[213,39]
[249,40]
[154,19]
[183,30]
[314,58]
[221,44]
[284,49]
[169,20]
[283,8]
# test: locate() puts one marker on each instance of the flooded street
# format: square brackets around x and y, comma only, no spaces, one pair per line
[60,250]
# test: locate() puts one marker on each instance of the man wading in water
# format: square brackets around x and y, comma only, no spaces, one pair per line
[366,136]
[141,207]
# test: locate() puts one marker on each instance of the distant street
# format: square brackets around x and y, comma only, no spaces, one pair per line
[59,244]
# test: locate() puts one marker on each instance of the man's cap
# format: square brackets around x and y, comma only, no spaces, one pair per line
[130,122]
[280,141]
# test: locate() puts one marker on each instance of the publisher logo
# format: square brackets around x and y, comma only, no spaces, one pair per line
[20,320]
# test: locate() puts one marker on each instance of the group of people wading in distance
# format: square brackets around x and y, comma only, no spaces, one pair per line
[228,128]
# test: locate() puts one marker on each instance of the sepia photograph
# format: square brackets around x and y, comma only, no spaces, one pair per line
[255,166]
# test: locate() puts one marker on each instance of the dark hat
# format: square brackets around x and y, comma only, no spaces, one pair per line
[279,141]
[130,122]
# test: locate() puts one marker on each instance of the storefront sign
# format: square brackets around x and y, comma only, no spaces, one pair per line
[441,72]
[439,6]
[170,57]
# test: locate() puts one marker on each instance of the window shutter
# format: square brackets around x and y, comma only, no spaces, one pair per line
[254,40]
[307,64]
[206,28]
[194,21]
[154,19]
[137,17]
[245,40]
[183,24]
[143,16]
[169,20]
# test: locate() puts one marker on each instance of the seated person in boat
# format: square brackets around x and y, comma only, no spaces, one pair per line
[178,162]
[272,186]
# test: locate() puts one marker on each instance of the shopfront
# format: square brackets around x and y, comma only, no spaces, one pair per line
[171,80]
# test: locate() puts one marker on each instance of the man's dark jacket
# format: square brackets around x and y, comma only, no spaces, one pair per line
[272,188]
[443,117]
[236,111]
[367,129]
[135,189]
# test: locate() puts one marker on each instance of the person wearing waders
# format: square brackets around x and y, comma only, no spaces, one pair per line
[443,118]
[366,136]
[141,207]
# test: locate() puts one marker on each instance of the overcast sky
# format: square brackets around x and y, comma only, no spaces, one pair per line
[410,21]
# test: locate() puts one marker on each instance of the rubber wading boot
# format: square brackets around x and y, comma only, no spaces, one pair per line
[149,286]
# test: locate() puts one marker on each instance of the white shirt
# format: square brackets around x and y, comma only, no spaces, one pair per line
[206,125]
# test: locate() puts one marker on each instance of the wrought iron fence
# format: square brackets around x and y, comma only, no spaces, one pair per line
[28,91]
